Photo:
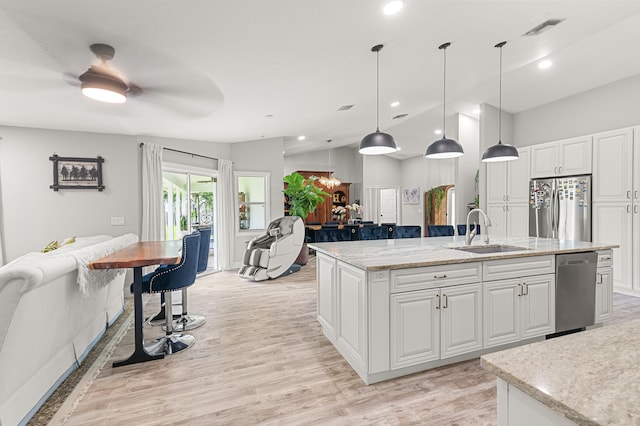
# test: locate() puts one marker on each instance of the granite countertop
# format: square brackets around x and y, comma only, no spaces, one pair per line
[400,253]
[592,377]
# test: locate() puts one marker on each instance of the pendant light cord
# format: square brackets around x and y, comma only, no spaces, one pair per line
[378,90]
[444,91]
[500,45]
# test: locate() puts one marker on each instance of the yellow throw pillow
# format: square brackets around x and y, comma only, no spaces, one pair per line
[51,246]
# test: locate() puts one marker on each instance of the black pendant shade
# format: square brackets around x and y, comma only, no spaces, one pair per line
[445,147]
[500,151]
[377,142]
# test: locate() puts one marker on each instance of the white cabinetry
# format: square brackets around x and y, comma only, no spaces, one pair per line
[604,287]
[351,312]
[616,202]
[520,303]
[562,158]
[326,278]
[427,325]
[508,196]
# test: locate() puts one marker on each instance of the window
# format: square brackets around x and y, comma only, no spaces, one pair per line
[252,200]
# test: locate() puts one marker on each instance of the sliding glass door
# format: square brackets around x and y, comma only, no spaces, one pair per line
[190,204]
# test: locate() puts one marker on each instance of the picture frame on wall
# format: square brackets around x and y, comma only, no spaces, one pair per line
[77,173]
[411,195]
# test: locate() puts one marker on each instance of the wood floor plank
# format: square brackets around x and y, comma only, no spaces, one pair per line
[261,358]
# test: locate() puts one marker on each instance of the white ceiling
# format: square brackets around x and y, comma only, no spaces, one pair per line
[212,70]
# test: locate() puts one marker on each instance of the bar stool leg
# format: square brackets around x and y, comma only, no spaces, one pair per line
[171,343]
[186,321]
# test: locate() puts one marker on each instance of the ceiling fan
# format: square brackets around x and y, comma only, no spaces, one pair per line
[102,83]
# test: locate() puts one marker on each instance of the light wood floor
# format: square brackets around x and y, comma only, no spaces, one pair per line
[261,358]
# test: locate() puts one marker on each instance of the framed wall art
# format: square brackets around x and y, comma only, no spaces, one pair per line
[77,173]
[411,196]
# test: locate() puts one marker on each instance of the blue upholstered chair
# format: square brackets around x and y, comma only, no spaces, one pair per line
[353,231]
[331,224]
[170,278]
[440,230]
[390,228]
[407,232]
[373,233]
[326,235]
[367,223]
[462,229]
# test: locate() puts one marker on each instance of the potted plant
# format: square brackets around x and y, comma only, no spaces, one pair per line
[303,198]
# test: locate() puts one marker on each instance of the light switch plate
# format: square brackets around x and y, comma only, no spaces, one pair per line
[117,220]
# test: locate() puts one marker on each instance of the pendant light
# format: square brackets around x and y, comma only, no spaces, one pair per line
[330,181]
[444,148]
[500,151]
[377,142]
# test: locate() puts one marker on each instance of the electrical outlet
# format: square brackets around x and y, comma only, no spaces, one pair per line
[117,220]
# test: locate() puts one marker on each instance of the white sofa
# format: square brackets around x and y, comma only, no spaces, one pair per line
[49,322]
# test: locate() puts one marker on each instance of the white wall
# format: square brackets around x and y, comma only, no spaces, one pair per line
[264,155]
[33,214]
[468,164]
[608,107]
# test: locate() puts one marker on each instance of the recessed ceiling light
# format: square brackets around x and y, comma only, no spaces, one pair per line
[438,132]
[301,137]
[476,111]
[545,64]
[395,104]
[283,152]
[268,116]
[392,7]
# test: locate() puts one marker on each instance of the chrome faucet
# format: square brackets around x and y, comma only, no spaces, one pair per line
[468,237]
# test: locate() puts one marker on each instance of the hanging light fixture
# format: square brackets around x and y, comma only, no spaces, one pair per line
[330,181]
[500,151]
[377,142]
[444,148]
[100,82]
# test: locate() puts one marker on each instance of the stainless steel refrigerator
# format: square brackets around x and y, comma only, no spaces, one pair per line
[560,208]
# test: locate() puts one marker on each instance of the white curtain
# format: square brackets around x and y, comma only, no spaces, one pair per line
[226,213]
[152,207]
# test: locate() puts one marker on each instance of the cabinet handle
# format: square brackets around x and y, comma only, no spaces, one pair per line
[605,258]
[507,198]
[438,302]
[519,290]
[440,276]
[629,195]
[504,198]
[635,209]
[555,170]
[628,208]
[525,289]
[560,169]
[445,301]
[598,278]
[504,208]
[635,193]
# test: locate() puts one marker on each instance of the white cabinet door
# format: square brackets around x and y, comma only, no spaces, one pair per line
[575,156]
[544,160]
[612,166]
[351,312]
[518,220]
[415,327]
[612,223]
[538,305]
[326,278]
[461,317]
[498,215]
[604,295]
[501,312]
[497,182]
[518,178]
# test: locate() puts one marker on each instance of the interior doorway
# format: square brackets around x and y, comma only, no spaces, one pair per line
[382,205]
[190,204]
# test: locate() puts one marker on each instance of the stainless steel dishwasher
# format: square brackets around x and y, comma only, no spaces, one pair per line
[575,290]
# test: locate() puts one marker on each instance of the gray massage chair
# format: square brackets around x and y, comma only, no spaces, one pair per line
[272,255]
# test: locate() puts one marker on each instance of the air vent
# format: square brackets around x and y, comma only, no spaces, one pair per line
[345,107]
[400,116]
[546,25]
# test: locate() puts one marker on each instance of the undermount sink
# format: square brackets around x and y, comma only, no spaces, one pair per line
[492,248]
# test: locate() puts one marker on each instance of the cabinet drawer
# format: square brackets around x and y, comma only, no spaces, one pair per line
[519,267]
[605,258]
[435,276]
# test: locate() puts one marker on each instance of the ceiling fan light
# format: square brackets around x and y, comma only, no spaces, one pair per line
[500,152]
[444,148]
[377,143]
[103,88]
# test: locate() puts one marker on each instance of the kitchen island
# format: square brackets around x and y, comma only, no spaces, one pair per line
[589,378]
[395,307]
